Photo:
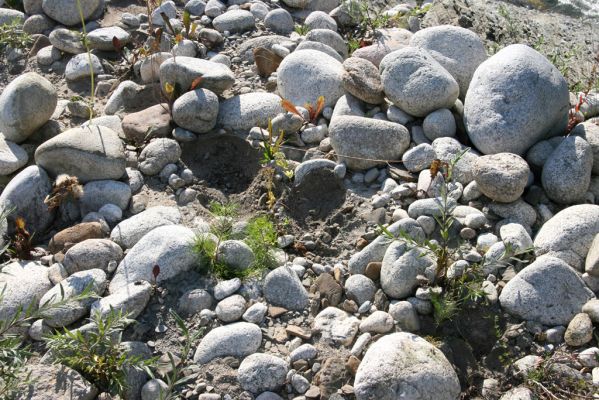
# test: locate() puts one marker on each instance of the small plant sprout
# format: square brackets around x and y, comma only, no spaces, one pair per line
[313,111]
[66,189]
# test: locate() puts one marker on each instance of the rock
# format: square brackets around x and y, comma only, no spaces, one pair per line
[518,211]
[318,46]
[99,193]
[236,254]
[75,234]
[591,264]
[592,309]
[230,309]
[589,132]
[26,104]
[377,322]
[335,326]
[255,313]
[448,149]
[102,38]
[313,5]
[567,172]
[516,238]
[241,113]
[214,8]
[131,300]
[279,21]
[67,11]
[8,16]
[328,288]
[194,301]
[67,41]
[157,154]
[135,379]
[305,75]
[91,254]
[238,340]
[405,314]
[507,112]
[226,288]
[154,389]
[303,170]
[320,20]
[260,373]
[439,123]
[459,50]
[128,232]
[78,67]
[579,331]
[360,289]
[501,177]
[388,40]
[90,153]
[367,138]
[569,234]
[419,157]
[519,393]
[283,288]
[547,291]
[330,38]
[55,381]
[234,21]
[38,24]
[400,269]
[195,7]
[74,285]
[215,77]
[169,247]
[303,352]
[403,364]
[196,111]
[149,69]
[151,122]
[131,97]
[25,193]
[415,82]
[361,79]
[12,157]
[22,284]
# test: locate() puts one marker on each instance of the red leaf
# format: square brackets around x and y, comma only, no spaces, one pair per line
[287,105]
[156,271]
[116,43]
[196,82]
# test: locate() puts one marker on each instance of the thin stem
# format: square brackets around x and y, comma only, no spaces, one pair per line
[89,60]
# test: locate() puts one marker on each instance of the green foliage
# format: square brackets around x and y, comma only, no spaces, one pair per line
[262,238]
[13,36]
[302,30]
[230,209]
[420,11]
[97,353]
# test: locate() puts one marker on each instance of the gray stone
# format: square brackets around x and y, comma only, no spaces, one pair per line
[403,364]
[377,322]
[216,77]
[67,11]
[419,157]
[194,301]
[169,247]
[516,238]
[226,288]
[518,211]
[231,308]
[506,111]
[591,264]
[318,46]
[128,232]
[320,20]
[90,153]
[313,5]
[439,123]
[460,51]
[241,113]
[168,8]
[54,381]
[239,339]
[282,287]
[234,21]
[102,38]
[415,82]
[99,193]
[335,326]
[196,110]
[255,313]
[448,149]
[67,41]
[305,75]
[214,8]
[400,269]
[26,104]
[360,289]
[279,21]
[25,193]
[154,389]
[567,172]
[131,97]
[195,7]
[569,234]
[22,284]
[519,393]
[303,170]
[74,285]
[259,373]
[236,254]
[149,68]
[405,315]
[361,79]
[365,138]
[579,331]
[330,38]
[548,291]
[501,177]
[38,24]
[92,254]
[388,40]
[135,379]
[131,300]
[8,16]
[157,154]
[78,67]
[304,352]
[590,132]
[12,157]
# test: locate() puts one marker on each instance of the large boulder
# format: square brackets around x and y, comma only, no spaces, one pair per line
[183,71]
[305,75]
[67,11]
[548,291]
[241,113]
[569,234]
[22,284]
[89,153]
[25,195]
[403,365]
[92,254]
[26,104]
[169,247]
[363,143]
[567,172]
[459,50]
[416,83]
[516,98]
[55,381]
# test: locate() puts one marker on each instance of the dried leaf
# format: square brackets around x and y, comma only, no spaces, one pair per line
[290,107]
[319,108]
[178,38]
[20,223]
[116,43]
[169,89]
[156,271]
[196,83]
